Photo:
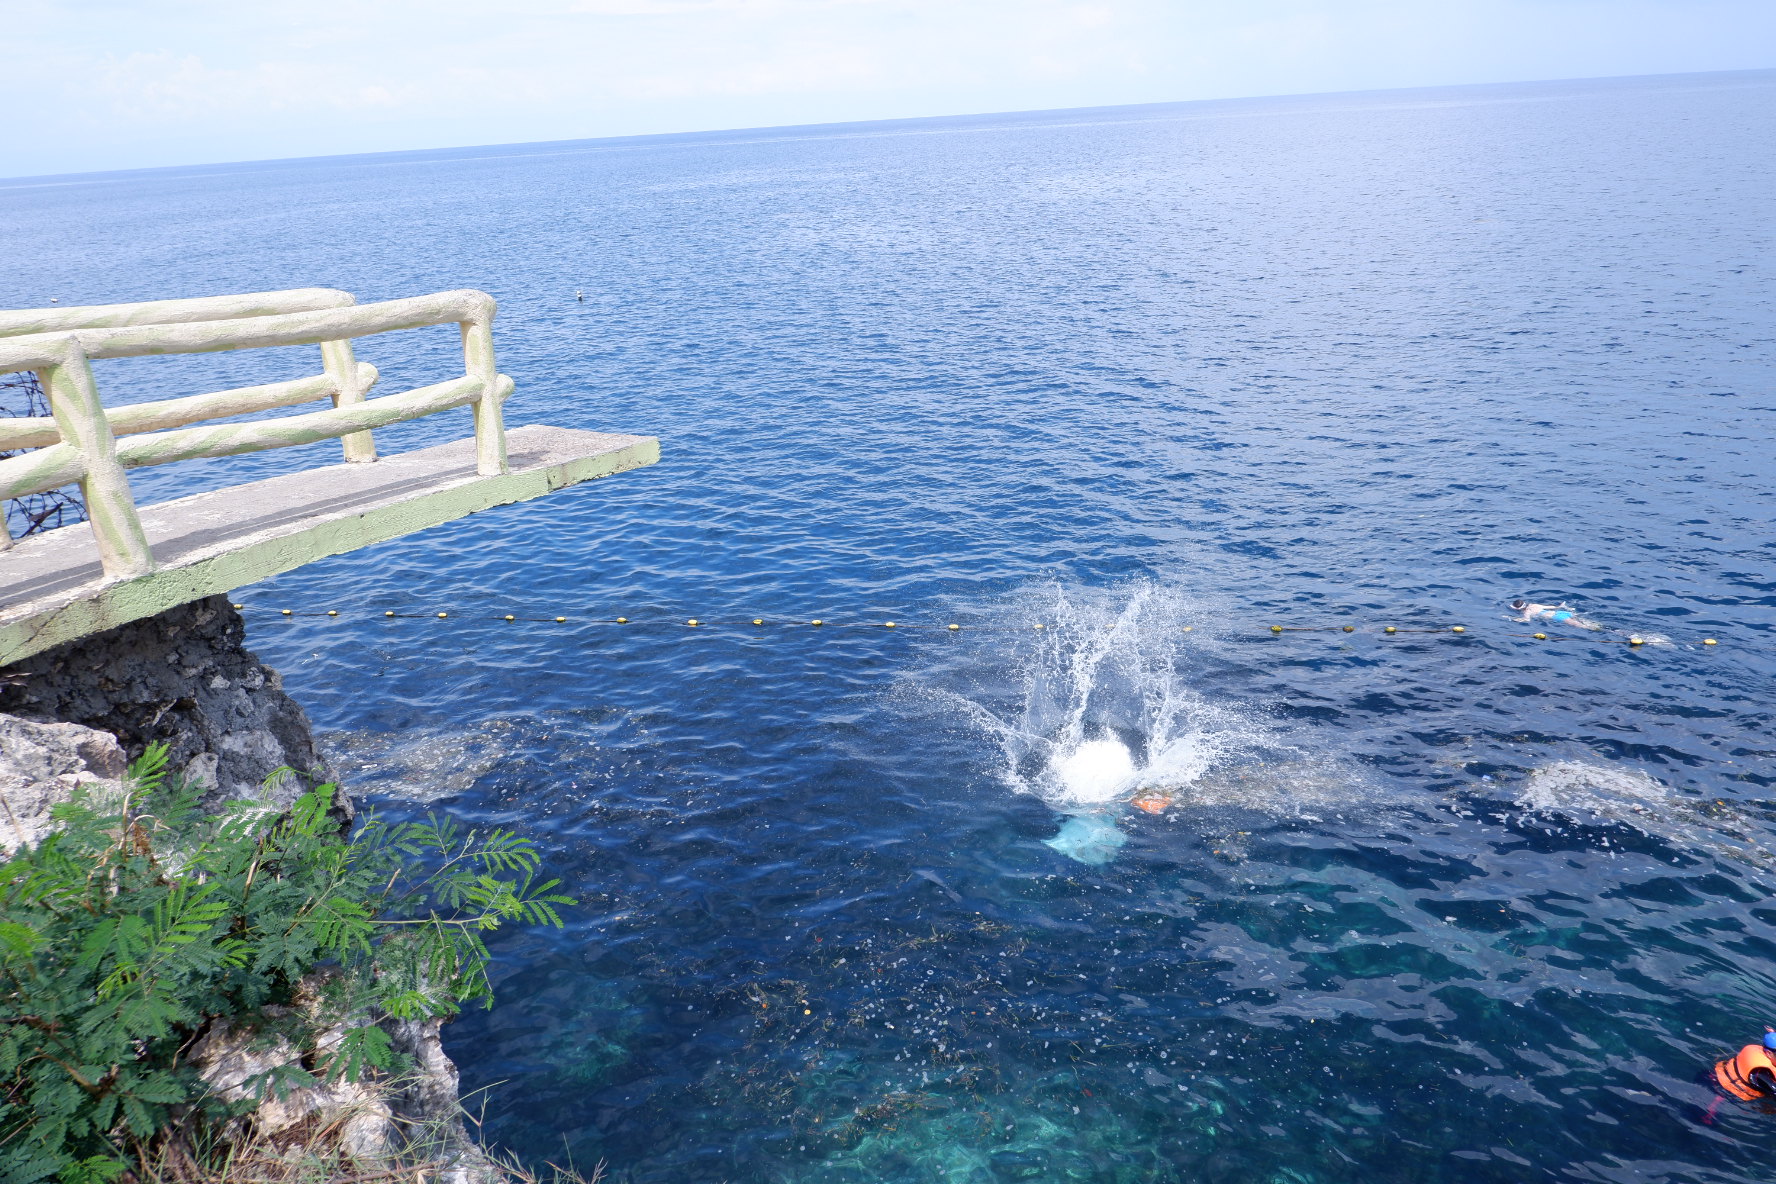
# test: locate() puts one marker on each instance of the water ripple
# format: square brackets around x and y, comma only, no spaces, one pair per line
[1418,909]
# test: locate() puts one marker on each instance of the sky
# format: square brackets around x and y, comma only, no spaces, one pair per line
[114,84]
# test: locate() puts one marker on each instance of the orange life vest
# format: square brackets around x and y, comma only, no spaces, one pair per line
[1734,1073]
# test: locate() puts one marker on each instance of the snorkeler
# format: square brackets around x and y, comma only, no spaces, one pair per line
[1750,1075]
[1559,614]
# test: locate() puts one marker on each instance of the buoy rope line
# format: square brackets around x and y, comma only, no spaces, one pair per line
[1632,640]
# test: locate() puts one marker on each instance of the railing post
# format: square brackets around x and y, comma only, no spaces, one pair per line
[490,419]
[342,368]
[110,506]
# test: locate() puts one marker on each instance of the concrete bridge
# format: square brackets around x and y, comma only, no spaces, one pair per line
[128,561]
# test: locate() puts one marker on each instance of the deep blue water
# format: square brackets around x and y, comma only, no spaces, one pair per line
[1425,908]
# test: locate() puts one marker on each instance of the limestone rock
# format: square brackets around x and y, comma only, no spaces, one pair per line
[371,1117]
[428,1100]
[41,764]
[234,1063]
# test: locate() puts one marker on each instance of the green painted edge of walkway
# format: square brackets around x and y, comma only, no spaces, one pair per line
[146,596]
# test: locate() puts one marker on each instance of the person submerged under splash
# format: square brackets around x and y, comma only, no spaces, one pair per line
[1750,1074]
[1559,614]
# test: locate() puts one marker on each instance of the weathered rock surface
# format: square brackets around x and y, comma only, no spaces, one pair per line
[42,764]
[371,1118]
[235,1064]
[428,1099]
[184,678]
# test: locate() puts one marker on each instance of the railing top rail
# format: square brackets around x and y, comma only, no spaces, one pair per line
[88,450]
[299,328]
[14,322]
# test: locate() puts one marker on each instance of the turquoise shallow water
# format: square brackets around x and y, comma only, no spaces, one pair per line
[1425,908]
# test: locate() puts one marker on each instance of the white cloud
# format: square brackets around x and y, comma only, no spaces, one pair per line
[146,88]
[756,8]
[117,84]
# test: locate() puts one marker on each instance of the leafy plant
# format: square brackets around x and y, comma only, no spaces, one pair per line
[124,932]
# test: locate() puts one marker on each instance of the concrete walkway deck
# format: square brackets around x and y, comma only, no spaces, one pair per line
[52,588]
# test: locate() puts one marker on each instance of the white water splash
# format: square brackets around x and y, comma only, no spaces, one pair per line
[1105,708]
[1096,771]
[1098,709]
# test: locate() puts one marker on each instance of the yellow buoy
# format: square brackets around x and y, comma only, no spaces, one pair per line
[888,624]
[510,617]
[622,620]
[953,627]
[1038,626]
[758,620]
[1188,628]
[692,621]
[1637,641]
[1350,628]
[286,612]
[558,620]
[1276,628]
[1541,637]
[441,616]
[817,621]
[1458,629]
[1709,641]
[240,606]
[390,613]
[1390,629]
[332,612]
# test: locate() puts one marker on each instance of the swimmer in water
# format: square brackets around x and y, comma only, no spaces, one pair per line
[1750,1074]
[1559,614]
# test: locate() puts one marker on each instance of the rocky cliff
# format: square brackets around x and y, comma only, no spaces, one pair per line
[76,714]
[184,678]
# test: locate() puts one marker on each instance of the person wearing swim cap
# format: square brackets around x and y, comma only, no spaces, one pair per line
[1750,1074]
[1559,614]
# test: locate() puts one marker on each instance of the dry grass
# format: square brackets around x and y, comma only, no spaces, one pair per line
[311,1154]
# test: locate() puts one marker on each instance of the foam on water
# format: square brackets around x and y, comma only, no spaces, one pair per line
[424,766]
[1605,794]
[1574,787]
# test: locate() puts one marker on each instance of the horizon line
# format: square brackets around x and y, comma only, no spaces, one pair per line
[808,130]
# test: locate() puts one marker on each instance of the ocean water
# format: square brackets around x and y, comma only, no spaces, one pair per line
[861,904]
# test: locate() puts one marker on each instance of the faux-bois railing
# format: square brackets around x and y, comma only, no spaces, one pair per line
[79,440]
